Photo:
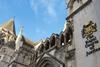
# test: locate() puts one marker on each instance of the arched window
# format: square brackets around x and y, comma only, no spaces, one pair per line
[47,45]
[41,48]
[62,39]
[52,41]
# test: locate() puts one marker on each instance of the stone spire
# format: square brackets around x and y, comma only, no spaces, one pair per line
[10,26]
[19,41]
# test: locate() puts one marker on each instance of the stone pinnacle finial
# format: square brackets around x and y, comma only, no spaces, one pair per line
[9,25]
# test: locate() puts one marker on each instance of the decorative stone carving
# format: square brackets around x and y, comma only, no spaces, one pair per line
[88,33]
[70,4]
[68,33]
[89,29]
[70,54]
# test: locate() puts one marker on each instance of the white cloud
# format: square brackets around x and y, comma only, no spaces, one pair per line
[50,6]
[51,11]
[34,6]
[47,5]
[40,31]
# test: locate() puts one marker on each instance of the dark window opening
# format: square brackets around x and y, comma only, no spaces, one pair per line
[53,41]
[67,37]
[62,40]
[1,41]
[41,48]
[0,57]
[47,65]
[69,34]
[47,45]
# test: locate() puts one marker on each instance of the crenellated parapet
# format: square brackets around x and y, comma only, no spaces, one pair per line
[57,46]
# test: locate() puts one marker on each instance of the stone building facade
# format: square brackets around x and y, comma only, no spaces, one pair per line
[85,15]
[78,45]
[9,57]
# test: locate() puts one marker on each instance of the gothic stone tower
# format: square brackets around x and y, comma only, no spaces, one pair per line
[8,56]
[85,16]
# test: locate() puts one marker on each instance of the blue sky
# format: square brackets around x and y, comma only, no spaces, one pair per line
[40,18]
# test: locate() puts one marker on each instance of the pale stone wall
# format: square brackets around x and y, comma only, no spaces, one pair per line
[5,56]
[90,12]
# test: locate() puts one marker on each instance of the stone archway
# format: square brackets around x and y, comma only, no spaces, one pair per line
[47,62]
